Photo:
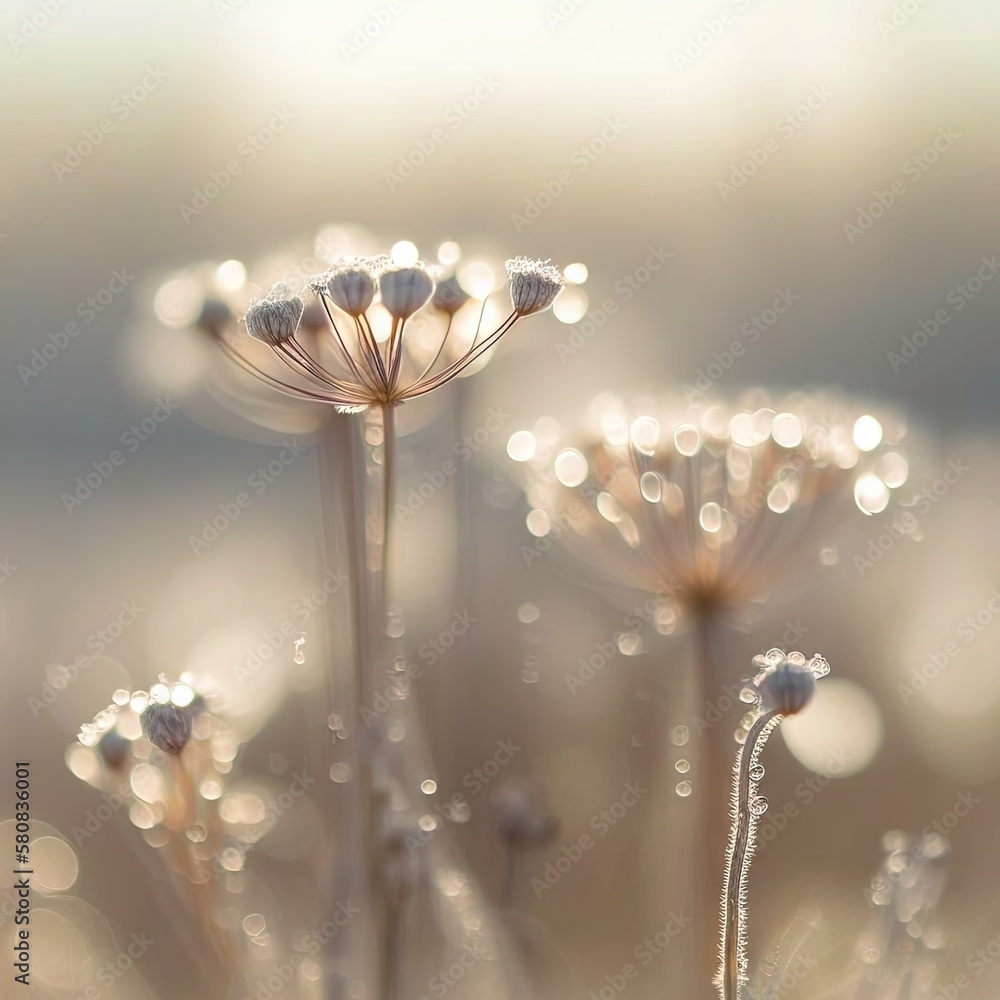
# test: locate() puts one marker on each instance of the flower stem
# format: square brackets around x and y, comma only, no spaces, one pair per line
[732,972]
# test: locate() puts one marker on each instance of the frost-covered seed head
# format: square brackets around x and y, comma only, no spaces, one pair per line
[404,290]
[167,726]
[274,319]
[534,284]
[788,690]
[350,285]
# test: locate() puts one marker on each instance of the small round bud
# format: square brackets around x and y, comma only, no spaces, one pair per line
[534,284]
[788,688]
[522,816]
[167,726]
[274,319]
[114,749]
[449,296]
[404,290]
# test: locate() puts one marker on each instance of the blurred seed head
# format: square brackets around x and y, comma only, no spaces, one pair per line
[351,284]
[521,813]
[449,296]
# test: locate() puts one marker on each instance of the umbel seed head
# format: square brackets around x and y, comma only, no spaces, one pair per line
[274,319]
[404,290]
[534,284]
[167,726]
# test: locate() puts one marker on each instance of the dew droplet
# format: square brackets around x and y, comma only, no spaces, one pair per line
[828,556]
[394,626]
[529,675]
[428,787]
[428,823]
[120,697]
[299,658]
[683,789]
[682,766]
[528,613]
[710,517]
[687,440]
[758,805]
[819,665]
[749,695]
[679,735]
[340,773]
[756,772]
[651,487]
[741,735]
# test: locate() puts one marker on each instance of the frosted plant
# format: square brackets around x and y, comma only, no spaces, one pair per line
[784,685]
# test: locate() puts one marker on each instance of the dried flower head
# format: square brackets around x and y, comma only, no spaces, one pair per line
[709,506]
[534,284]
[275,318]
[353,363]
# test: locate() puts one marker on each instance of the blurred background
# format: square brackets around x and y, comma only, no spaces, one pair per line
[707,162]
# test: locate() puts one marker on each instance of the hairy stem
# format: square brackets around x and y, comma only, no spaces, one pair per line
[739,853]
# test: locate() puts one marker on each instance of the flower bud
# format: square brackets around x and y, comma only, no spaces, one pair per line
[788,689]
[534,284]
[404,290]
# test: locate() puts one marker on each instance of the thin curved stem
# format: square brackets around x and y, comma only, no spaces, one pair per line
[733,945]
